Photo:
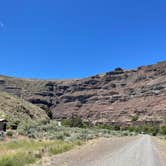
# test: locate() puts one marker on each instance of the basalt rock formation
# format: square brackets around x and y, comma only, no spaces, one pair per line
[120,96]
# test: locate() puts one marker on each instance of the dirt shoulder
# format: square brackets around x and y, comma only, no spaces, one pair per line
[161,148]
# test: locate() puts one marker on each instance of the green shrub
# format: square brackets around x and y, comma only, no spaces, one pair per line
[163,130]
[105,126]
[61,136]
[66,122]
[125,133]
[66,134]
[147,129]
[130,128]
[134,118]
[116,127]
[9,133]
[74,122]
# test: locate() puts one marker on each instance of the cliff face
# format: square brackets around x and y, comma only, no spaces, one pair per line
[113,97]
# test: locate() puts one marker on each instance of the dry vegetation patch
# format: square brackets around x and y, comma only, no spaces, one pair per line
[28,151]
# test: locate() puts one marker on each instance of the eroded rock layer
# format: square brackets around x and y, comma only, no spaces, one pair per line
[113,97]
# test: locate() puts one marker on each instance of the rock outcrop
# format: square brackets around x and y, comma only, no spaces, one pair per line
[113,97]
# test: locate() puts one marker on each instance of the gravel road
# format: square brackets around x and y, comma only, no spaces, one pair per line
[137,151]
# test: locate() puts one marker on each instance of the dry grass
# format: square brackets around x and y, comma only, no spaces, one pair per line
[17,110]
[28,151]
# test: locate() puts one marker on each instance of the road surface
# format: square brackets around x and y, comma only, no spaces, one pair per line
[136,151]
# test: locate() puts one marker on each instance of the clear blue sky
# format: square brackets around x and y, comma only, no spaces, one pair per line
[79,38]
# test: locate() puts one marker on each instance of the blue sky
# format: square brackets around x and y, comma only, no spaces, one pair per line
[74,39]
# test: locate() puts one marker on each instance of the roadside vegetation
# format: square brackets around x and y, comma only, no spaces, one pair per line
[75,128]
[27,151]
[32,140]
[50,130]
[131,129]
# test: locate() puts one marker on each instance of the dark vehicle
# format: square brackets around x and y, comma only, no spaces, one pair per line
[3,124]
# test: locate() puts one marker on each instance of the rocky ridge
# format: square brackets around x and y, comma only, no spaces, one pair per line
[110,98]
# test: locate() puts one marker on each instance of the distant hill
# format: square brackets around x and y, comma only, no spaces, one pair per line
[117,97]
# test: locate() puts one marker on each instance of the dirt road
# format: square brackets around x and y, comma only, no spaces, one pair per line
[128,151]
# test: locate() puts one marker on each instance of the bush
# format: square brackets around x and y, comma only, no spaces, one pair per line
[73,122]
[131,129]
[61,136]
[134,118]
[9,133]
[116,128]
[105,126]
[67,122]
[147,129]
[163,130]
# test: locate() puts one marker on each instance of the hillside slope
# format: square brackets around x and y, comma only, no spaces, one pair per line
[17,110]
[120,96]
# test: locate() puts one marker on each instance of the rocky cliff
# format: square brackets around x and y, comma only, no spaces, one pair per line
[120,96]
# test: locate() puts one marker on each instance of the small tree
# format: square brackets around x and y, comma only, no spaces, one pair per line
[74,121]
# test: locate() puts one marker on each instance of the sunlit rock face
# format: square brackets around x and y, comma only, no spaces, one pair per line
[112,97]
